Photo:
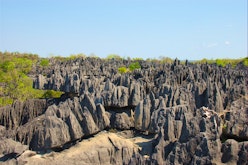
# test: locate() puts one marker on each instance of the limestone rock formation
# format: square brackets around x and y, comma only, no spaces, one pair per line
[177,113]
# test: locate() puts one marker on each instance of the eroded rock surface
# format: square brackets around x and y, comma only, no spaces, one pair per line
[192,113]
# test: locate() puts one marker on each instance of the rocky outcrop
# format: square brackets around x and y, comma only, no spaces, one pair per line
[10,149]
[184,138]
[104,148]
[236,121]
[118,97]
[60,124]
[8,146]
[20,113]
[194,114]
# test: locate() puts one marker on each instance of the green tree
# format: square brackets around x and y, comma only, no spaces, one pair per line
[17,85]
[14,82]
[7,66]
[134,65]
[44,62]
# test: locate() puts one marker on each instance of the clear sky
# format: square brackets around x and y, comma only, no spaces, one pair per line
[186,29]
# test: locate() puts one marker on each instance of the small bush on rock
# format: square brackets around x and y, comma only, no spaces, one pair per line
[134,65]
[122,70]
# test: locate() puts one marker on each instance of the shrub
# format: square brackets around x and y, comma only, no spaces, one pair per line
[114,56]
[224,62]
[52,94]
[245,61]
[75,56]
[7,66]
[122,70]
[220,62]
[138,59]
[134,65]
[44,62]
[5,101]
[14,81]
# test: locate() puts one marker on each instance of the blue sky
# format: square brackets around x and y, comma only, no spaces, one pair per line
[186,29]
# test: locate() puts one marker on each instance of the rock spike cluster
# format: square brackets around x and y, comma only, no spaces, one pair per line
[196,113]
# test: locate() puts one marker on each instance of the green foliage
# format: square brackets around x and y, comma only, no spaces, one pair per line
[245,61]
[5,101]
[114,56]
[134,65]
[7,56]
[14,82]
[204,61]
[122,70]
[18,64]
[137,59]
[224,62]
[44,62]
[7,66]
[21,64]
[16,85]
[220,62]
[52,94]
[75,56]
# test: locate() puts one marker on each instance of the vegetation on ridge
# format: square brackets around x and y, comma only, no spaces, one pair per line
[15,84]
[133,66]
[14,81]
[224,62]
